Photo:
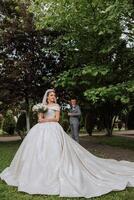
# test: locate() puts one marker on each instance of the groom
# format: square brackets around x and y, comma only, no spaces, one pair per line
[74,115]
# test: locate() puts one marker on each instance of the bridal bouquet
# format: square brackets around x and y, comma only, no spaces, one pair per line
[40,107]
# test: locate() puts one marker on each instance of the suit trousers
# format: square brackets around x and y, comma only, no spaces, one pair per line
[75,131]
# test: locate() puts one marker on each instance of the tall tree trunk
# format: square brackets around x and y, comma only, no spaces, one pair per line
[90,122]
[27,122]
[110,125]
[27,115]
[109,132]
[108,119]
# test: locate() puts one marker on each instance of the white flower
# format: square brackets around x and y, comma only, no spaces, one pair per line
[40,107]
[68,106]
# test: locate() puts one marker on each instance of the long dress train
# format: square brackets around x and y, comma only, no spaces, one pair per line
[50,162]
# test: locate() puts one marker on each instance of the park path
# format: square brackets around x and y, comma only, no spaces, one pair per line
[128,134]
[9,138]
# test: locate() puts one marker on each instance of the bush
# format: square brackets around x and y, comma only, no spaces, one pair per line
[64,121]
[1,120]
[65,125]
[33,118]
[89,123]
[9,123]
[21,123]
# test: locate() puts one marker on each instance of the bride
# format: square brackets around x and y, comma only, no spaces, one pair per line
[50,162]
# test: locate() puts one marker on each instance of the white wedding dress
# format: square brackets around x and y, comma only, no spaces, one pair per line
[50,162]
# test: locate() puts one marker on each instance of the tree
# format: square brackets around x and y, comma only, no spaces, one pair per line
[97,43]
[27,65]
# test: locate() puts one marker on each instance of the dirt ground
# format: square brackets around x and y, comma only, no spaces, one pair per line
[106,151]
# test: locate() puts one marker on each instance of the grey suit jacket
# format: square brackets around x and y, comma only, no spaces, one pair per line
[76,113]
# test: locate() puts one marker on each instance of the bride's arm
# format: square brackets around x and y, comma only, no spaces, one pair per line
[56,119]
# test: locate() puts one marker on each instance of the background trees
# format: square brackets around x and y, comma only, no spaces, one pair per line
[97,42]
[27,64]
[83,48]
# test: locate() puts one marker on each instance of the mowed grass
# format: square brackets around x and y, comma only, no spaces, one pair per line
[7,152]
[123,142]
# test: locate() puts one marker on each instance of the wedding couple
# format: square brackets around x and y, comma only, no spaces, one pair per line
[50,162]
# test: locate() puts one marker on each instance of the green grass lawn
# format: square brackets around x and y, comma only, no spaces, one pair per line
[125,143]
[7,151]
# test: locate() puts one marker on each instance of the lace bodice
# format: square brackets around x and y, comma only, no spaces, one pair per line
[50,113]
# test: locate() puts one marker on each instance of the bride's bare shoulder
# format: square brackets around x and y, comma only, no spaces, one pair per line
[57,106]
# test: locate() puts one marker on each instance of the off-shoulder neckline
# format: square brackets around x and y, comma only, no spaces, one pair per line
[51,105]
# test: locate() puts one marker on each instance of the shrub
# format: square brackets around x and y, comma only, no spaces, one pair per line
[64,121]
[9,123]
[21,123]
